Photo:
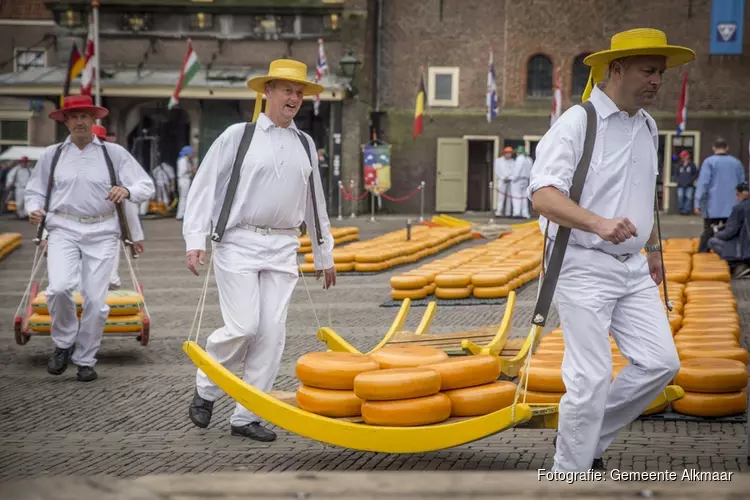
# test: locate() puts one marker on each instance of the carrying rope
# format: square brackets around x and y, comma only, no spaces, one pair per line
[134,276]
[35,265]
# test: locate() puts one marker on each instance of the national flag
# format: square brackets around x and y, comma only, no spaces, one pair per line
[88,75]
[556,99]
[682,106]
[419,108]
[190,67]
[75,66]
[492,108]
[320,69]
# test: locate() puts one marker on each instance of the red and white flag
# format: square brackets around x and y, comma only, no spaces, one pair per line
[88,74]
[190,67]
[556,99]
[682,106]
[320,69]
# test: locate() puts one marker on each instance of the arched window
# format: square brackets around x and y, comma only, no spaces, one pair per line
[580,75]
[539,77]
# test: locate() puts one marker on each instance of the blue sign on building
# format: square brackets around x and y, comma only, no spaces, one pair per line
[727,26]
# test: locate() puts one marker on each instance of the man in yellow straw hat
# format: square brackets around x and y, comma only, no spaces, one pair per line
[605,216]
[258,182]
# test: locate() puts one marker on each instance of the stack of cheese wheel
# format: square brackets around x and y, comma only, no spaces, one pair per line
[679,245]
[8,243]
[709,267]
[340,236]
[472,386]
[393,249]
[328,382]
[403,392]
[125,315]
[714,387]
[486,271]
[676,293]
[677,266]
[11,206]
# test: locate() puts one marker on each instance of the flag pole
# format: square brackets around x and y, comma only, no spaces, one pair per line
[98,95]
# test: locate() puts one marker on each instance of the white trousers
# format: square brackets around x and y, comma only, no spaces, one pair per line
[162,192]
[20,193]
[256,276]
[520,200]
[504,198]
[69,253]
[183,185]
[597,294]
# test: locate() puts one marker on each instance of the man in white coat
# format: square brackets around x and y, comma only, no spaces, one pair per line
[520,182]
[185,172]
[72,196]
[255,261]
[17,179]
[504,166]
[605,284]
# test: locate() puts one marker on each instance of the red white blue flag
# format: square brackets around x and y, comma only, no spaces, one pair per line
[320,68]
[492,107]
[682,107]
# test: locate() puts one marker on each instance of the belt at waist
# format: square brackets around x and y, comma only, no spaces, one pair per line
[621,257]
[85,220]
[291,231]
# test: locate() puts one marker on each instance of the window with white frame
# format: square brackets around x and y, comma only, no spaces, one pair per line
[14,132]
[442,86]
[24,58]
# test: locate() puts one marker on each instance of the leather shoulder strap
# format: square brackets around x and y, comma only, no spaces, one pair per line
[306,145]
[234,179]
[549,280]
[124,226]
[50,183]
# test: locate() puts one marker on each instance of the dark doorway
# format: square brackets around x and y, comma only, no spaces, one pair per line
[481,161]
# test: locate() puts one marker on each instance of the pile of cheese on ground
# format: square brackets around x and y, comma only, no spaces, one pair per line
[706,328]
[393,249]
[340,235]
[401,385]
[8,243]
[125,314]
[486,271]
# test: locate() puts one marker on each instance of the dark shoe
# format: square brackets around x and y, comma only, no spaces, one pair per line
[86,374]
[597,464]
[201,411]
[58,362]
[254,431]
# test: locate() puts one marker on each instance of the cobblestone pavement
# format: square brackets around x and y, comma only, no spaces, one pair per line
[133,420]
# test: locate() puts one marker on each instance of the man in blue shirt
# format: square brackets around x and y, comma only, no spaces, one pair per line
[732,243]
[714,195]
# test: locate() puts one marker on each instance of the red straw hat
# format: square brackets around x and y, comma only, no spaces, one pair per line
[78,103]
[101,133]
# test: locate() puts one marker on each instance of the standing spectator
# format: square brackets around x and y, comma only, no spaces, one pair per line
[503,171]
[687,173]
[714,195]
[732,243]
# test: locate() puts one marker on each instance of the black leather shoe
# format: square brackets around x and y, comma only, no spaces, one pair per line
[201,411]
[86,374]
[254,431]
[58,362]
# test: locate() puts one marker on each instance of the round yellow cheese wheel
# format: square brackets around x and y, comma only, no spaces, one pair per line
[711,330]
[704,337]
[491,278]
[452,293]
[550,358]
[712,319]
[490,292]
[408,282]
[397,383]
[407,412]
[430,288]
[413,294]
[703,344]
[466,371]
[452,280]
[711,405]
[540,397]
[481,399]
[712,375]
[544,377]
[407,356]
[333,370]
[737,353]
[328,402]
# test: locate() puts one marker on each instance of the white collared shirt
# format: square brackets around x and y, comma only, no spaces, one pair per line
[272,190]
[621,178]
[82,182]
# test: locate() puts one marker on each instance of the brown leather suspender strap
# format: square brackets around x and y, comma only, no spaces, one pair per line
[50,183]
[124,226]
[549,281]
[306,145]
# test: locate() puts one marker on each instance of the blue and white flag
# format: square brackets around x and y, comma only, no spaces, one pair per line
[492,107]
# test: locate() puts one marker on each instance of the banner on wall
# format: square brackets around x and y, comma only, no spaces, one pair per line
[727,27]
[377,165]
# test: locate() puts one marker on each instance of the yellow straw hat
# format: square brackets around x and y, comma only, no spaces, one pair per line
[635,42]
[282,69]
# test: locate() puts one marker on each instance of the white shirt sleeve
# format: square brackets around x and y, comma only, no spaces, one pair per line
[134,220]
[199,207]
[558,153]
[131,175]
[322,256]
[36,188]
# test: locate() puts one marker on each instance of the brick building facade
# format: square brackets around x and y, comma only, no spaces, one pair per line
[529,39]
